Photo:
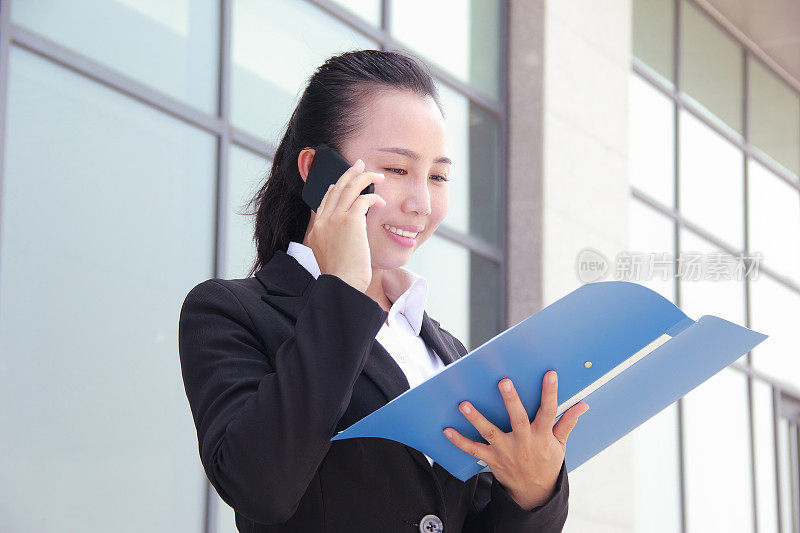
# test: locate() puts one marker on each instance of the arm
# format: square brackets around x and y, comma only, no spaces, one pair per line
[263,431]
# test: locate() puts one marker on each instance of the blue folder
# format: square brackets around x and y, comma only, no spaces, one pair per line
[620,347]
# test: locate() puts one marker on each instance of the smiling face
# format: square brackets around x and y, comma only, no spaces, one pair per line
[404,138]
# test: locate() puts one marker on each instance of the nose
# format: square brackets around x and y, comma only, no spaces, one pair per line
[417,197]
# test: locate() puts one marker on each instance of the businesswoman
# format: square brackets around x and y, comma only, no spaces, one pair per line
[332,327]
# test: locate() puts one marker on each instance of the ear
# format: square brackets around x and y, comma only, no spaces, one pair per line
[304,161]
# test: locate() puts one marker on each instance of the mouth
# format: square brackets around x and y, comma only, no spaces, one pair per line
[402,233]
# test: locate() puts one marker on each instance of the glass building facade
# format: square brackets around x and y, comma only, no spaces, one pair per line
[132,134]
[714,163]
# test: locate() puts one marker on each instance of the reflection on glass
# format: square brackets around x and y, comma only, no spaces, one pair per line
[170,46]
[711,175]
[764,444]
[774,312]
[656,474]
[651,141]
[774,116]
[247,172]
[711,66]
[369,10]
[107,223]
[446,266]
[719,494]
[461,37]
[650,232]
[653,28]
[272,60]
[774,220]
[474,140]
[484,297]
[709,293]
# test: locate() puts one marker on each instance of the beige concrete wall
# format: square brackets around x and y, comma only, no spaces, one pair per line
[568,188]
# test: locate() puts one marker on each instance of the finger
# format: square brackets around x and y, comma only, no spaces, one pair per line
[516,411]
[364,202]
[488,431]
[546,416]
[351,190]
[475,449]
[327,195]
[338,187]
[568,420]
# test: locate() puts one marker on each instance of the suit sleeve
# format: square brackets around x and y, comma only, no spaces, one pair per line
[263,430]
[493,509]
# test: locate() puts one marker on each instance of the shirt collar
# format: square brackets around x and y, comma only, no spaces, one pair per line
[406,289]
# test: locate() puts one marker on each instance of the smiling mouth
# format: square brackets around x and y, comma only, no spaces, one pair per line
[402,233]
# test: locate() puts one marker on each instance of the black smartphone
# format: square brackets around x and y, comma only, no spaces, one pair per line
[327,167]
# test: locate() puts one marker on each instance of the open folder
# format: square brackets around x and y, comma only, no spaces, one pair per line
[620,347]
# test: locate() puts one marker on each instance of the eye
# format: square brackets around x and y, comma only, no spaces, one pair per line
[439,176]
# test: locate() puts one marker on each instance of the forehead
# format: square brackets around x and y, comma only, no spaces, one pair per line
[404,119]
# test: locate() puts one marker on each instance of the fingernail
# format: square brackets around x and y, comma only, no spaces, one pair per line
[506,385]
[466,409]
[358,162]
[551,378]
[449,433]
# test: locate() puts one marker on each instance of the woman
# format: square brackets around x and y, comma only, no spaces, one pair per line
[275,365]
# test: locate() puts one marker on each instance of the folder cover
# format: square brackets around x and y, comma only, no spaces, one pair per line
[620,347]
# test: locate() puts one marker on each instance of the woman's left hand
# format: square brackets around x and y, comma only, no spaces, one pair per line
[527,460]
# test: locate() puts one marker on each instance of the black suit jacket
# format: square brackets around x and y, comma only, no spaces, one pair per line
[274,366]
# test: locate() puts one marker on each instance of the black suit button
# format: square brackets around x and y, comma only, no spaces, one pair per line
[430,523]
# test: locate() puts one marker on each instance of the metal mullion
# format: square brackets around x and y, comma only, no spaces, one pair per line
[745,108]
[504,160]
[112,79]
[5,45]
[776,413]
[676,68]
[220,222]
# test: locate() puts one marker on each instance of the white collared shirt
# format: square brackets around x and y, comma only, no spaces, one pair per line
[408,292]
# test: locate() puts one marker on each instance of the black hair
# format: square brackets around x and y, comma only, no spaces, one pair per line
[330,110]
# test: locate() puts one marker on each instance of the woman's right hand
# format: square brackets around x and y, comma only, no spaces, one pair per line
[338,236]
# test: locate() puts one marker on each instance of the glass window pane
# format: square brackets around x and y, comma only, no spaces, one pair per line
[656,474]
[719,495]
[764,443]
[369,10]
[448,288]
[774,116]
[460,37]
[711,176]
[170,46]
[774,220]
[650,232]
[775,309]
[709,293]
[107,222]
[485,300]
[267,86]
[711,66]
[653,29]
[651,141]
[246,173]
[474,142]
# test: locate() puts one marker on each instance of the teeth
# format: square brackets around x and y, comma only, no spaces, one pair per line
[404,233]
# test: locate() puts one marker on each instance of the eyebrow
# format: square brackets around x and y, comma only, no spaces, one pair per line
[414,155]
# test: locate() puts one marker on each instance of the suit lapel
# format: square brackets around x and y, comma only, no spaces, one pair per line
[288,286]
